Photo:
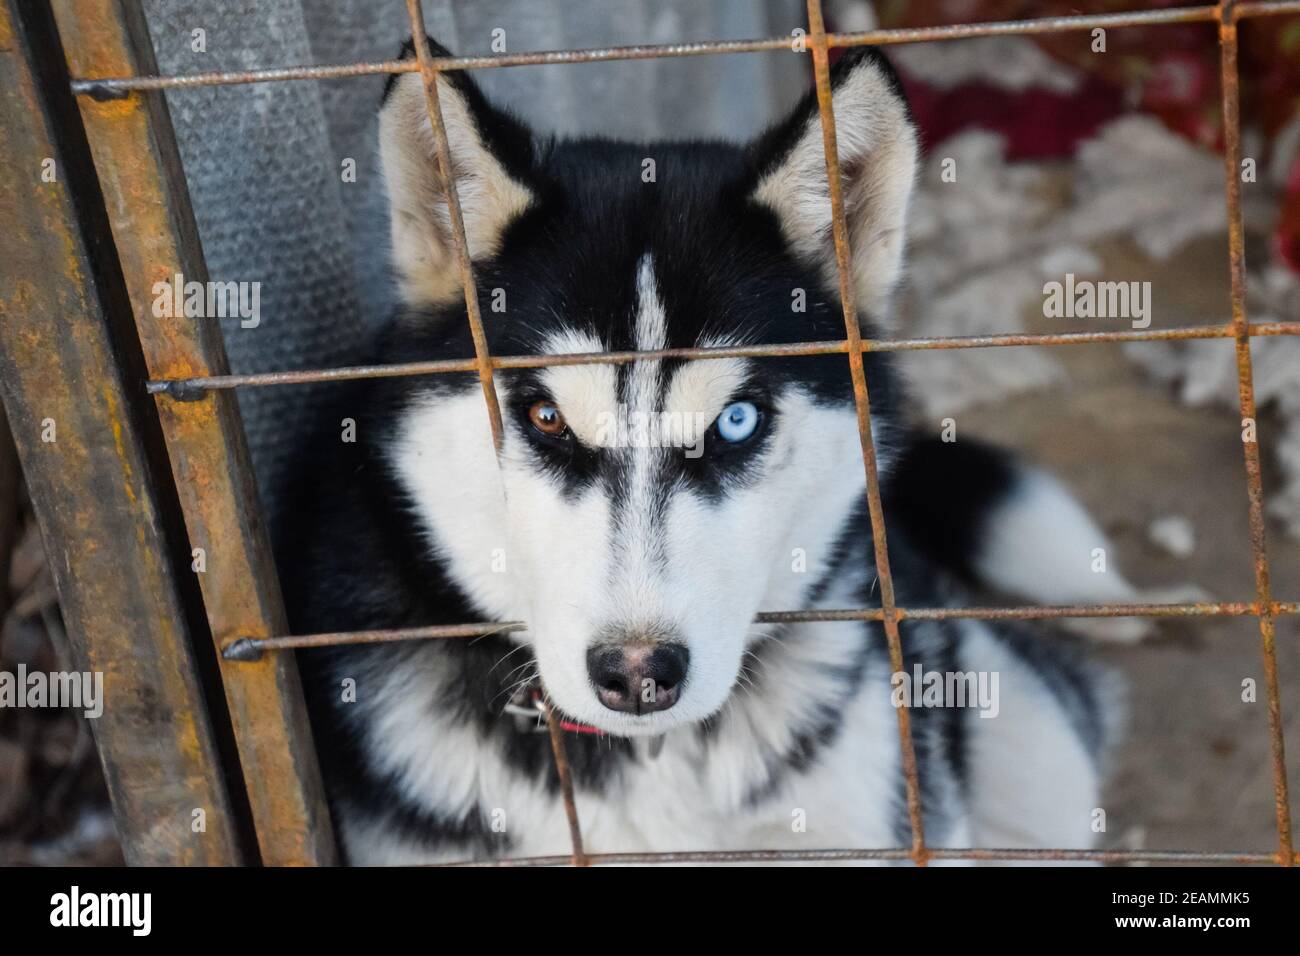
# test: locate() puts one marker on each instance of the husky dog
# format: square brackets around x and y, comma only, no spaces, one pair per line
[639,516]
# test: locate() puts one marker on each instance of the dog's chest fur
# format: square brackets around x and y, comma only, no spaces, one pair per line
[804,756]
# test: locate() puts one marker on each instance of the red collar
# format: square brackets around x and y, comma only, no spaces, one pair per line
[576,728]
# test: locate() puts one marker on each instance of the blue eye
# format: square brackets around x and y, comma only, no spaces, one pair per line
[738,421]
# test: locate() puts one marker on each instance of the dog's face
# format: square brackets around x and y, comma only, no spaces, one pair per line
[640,515]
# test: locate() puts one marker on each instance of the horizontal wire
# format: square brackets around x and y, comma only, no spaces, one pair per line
[251,648]
[116,87]
[890,853]
[189,389]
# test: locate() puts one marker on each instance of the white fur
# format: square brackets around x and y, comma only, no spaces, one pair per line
[1040,546]
[1040,543]
[1031,783]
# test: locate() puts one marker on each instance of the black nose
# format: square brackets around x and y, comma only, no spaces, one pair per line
[638,678]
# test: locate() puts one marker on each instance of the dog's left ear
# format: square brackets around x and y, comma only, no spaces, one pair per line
[877,146]
[491,154]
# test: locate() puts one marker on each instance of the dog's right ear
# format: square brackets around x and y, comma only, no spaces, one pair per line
[491,153]
[878,158]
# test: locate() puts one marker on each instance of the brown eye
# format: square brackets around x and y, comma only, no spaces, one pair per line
[546,418]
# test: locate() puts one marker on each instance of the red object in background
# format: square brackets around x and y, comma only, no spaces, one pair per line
[1170,71]
[1037,123]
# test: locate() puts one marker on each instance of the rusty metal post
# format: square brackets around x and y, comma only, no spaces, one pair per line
[80,428]
[153,227]
[862,401]
[114,64]
[1230,81]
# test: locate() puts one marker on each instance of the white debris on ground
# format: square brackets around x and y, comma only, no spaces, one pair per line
[1006,62]
[1204,372]
[975,265]
[1173,534]
[982,248]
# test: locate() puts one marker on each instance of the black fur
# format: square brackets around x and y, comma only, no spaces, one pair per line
[943,494]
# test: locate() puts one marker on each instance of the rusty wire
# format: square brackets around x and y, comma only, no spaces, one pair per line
[1230,84]
[862,403]
[891,854]
[442,151]
[115,87]
[192,389]
[250,648]
[579,856]
[1226,14]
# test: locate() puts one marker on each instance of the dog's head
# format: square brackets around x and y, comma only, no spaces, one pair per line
[641,513]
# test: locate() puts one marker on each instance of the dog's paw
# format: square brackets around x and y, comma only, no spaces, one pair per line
[1187,593]
[1111,630]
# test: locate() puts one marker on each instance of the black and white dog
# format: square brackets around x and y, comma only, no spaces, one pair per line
[640,515]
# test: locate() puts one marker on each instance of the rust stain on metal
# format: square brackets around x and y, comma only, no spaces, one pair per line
[1230,83]
[108,87]
[889,618]
[579,856]
[91,486]
[247,648]
[155,236]
[251,648]
[677,858]
[123,455]
[192,388]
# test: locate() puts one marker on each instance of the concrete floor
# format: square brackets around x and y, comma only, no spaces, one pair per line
[1194,771]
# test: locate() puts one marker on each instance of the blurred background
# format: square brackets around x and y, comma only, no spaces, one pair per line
[1104,164]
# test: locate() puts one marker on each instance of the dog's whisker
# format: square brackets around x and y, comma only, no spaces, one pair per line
[505,657]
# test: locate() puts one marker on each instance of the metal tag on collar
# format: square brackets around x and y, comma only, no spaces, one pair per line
[526,709]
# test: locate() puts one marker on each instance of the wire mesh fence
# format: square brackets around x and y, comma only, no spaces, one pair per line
[1226,15]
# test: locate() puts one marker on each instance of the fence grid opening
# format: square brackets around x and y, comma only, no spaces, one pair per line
[1225,14]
